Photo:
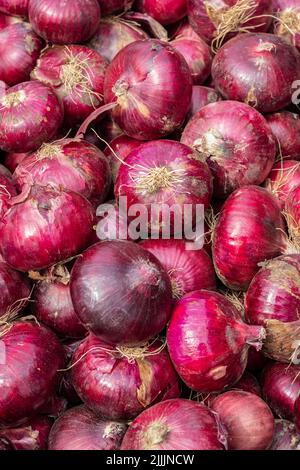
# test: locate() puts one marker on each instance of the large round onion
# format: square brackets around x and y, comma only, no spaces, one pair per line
[45,226]
[38,114]
[72,164]
[14,7]
[80,429]
[288,26]
[120,383]
[249,230]
[164,11]
[175,425]
[30,358]
[202,96]
[121,292]
[20,48]
[188,270]
[247,419]
[67,22]
[286,436]
[236,142]
[32,435]
[151,85]
[76,73]
[284,177]
[258,69]
[14,291]
[281,387]
[117,150]
[286,128]
[208,341]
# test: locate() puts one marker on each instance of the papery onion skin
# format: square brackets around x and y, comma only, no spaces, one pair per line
[189,270]
[72,164]
[263,59]
[208,341]
[297,413]
[12,160]
[47,227]
[38,112]
[258,235]
[14,289]
[80,429]
[202,96]
[28,374]
[286,436]
[118,387]
[235,141]
[292,213]
[122,146]
[32,435]
[148,93]
[281,387]
[274,293]
[283,178]
[7,191]
[165,11]
[121,292]
[113,34]
[14,7]
[286,128]
[287,27]
[20,48]
[247,418]
[175,425]
[70,22]
[248,383]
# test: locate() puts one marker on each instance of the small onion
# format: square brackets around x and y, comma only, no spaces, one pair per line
[208,341]
[32,435]
[121,292]
[80,429]
[202,96]
[14,7]
[14,289]
[119,147]
[247,418]
[37,111]
[164,11]
[286,128]
[286,436]
[283,178]
[288,26]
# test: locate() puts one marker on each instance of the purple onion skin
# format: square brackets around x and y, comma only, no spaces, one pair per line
[28,373]
[120,146]
[247,419]
[281,387]
[258,69]
[202,96]
[248,383]
[33,435]
[80,429]
[6,20]
[119,389]
[235,141]
[7,191]
[70,22]
[38,112]
[14,7]
[14,289]
[297,414]
[12,160]
[113,6]
[286,436]
[284,178]
[52,226]
[155,106]
[175,425]
[256,360]
[286,128]
[66,388]
[164,11]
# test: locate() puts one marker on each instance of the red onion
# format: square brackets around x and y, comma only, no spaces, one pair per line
[217,20]
[114,6]
[236,142]
[281,387]
[71,164]
[120,146]
[71,21]
[6,20]
[40,228]
[208,341]
[109,130]
[286,128]
[33,435]
[249,230]
[286,436]
[175,425]
[15,292]
[258,69]
[201,96]
[184,29]
[248,383]
[37,111]
[256,360]
[284,177]
[189,270]
[164,11]
[151,85]
[80,429]
[12,160]
[52,302]
[247,418]
[7,192]
[121,292]
[14,7]
[288,26]
[113,34]
[30,358]
[120,383]
[297,413]
[20,48]
[292,211]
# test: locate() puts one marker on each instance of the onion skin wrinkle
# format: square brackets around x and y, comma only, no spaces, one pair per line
[32,435]
[286,436]
[175,425]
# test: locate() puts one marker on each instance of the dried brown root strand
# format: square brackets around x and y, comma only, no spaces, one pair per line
[57,273]
[282,342]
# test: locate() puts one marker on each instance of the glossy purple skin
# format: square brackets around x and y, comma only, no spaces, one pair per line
[247,418]
[250,230]
[121,292]
[274,293]
[119,389]
[202,96]
[70,164]
[47,227]
[281,387]
[32,435]
[14,289]
[287,10]
[286,128]
[113,35]
[235,141]
[165,11]
[80,429]
[68,22]
[297,414]
[14,7]
[286,436]
[248,383]
[208,342]
[283,178]
[259,69]
[20,48]
[28,374]
[38,112]
[175,425]
[152,86]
